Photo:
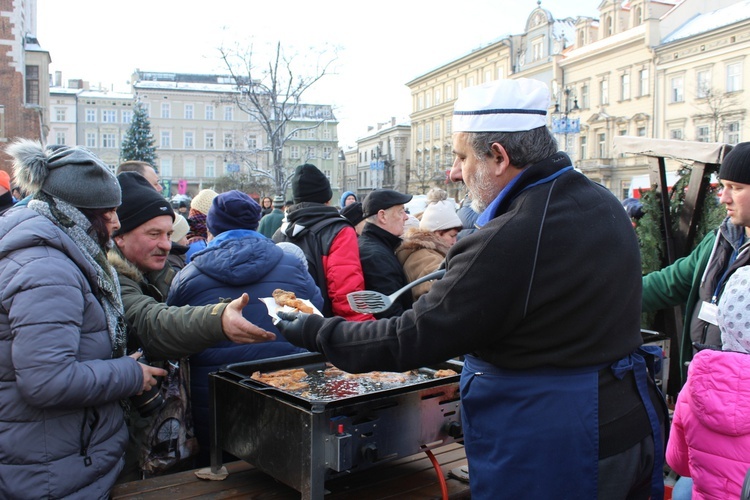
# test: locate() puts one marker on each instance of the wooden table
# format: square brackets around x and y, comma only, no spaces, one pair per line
[410,477]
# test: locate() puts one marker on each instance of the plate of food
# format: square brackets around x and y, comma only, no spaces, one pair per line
[282,300]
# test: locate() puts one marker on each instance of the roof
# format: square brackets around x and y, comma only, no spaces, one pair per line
[702,23]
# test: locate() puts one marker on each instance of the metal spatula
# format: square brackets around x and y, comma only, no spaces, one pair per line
[370,302]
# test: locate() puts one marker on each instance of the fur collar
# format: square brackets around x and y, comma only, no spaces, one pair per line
[418,239]
[123,266]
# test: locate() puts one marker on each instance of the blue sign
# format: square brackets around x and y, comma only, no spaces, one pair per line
[566,125]
[233,167]
[377,165]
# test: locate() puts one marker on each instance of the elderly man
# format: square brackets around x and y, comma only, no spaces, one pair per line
[384,211]
[142,245]
[145,169]
[555,394]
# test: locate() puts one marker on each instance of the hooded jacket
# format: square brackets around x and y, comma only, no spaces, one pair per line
[337,257]
[62,426]
[421,253]
[710,435]
[234,262]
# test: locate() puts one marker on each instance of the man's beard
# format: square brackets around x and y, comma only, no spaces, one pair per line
[482,190]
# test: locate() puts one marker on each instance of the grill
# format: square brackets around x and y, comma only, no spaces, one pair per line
[303,442]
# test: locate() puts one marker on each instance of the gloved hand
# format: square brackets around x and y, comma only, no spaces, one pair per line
[292,327]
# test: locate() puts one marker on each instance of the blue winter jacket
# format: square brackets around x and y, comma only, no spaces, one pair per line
[62,429]
[234,262]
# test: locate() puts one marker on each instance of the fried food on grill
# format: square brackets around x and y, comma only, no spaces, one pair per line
[445,373]
[290,379]
[284,298]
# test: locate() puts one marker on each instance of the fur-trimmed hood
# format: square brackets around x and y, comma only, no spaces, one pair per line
[419,239]
[123,266]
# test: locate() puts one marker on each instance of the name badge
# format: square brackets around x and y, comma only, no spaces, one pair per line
[709,313]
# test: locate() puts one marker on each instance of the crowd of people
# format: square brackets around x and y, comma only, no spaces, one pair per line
[100,272]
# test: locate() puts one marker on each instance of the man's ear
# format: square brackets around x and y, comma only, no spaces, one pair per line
[118,240]
[499,158]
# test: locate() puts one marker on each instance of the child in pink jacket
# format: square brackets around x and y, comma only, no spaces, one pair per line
[710,436]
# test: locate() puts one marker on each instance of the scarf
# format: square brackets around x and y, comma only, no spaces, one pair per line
[73,223]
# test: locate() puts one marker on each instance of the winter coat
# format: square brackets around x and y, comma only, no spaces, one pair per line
[710,435]
[62,426]
[162,331]
[338,257]
[383,272]
[6,202]
[235,262]
[270,223]
[421,253]
[693,279]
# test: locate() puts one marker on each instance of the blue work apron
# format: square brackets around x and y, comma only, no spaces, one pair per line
[535,433]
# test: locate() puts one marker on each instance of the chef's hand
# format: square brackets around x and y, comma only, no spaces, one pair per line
[238,329]
[292,325]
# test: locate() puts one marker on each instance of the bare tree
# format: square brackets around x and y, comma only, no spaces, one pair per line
[716,107]
[271,94]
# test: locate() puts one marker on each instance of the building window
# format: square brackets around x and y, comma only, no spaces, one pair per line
[209,111]
[582,147]
[448,126]
[420,102]
[60,115]
[603,92]
[427,100]
[537,49]
[228,140]
[90,115]
[32,85]
[294,152]
[327,151]
[676,134]
[188,111]
[732,134]
[209,140]
[60,138]
[109,116]
[437,97]
[436,157]
[189,139]
[602,145]
[643,79]
[209,168]
[327,134]
[427,129]
[449,92]
[295,134]
[641,131]
[677,92]
[252,142]
[734,77]
[165,139]
[702,83]
[437,130]
[312,152]
[90,140]
[311,133]
[127,116]
[165,168]
[487,78]
[108,141]
[188,169]
[419,133]
[625,87]
[166,110]
[702,133]
[228,113]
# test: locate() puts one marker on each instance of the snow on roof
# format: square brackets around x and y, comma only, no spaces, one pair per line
[599,45]
[711,21]
[188,86]
[101,94]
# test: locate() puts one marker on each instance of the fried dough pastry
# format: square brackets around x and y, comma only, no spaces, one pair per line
[284,298]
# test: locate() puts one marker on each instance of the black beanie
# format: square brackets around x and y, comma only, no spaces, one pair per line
[140,202]
[736,165]
[310,184]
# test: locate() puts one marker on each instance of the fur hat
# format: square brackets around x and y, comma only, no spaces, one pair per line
[202,201]
[310,184]
[72,174]
[233,210]
[140,202]
[736,165]
[180,228]
[502,106]
[439,216]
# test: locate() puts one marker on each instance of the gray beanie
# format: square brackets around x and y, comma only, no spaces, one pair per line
[72,174]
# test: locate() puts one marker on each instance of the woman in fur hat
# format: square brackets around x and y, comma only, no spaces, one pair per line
[62,334]
[425,246]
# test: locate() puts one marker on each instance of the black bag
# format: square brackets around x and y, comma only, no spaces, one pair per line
[171,437]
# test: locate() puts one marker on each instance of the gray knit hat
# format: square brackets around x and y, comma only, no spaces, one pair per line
[72,174]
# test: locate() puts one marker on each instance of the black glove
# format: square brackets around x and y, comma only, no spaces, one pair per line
[292,326]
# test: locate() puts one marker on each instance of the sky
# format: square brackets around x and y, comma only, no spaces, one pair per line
[379,45]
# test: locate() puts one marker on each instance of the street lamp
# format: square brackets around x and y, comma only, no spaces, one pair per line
[561,123]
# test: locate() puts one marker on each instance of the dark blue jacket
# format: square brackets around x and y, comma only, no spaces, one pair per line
[234,262]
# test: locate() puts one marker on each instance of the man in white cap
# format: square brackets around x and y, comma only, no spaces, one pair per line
[556,401]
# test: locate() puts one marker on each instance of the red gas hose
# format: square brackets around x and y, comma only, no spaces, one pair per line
[439,471]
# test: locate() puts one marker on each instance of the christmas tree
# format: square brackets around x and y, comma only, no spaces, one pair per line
[139,141]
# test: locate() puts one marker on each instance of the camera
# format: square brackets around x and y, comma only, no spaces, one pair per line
[148,401]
